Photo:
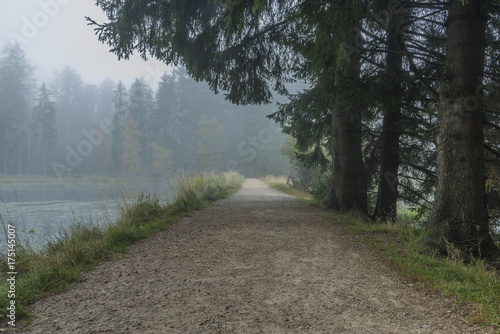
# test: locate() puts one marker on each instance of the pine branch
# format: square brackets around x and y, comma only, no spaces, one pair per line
[420,168]
[414,202]
[415,70]
[491,124]
[415,192]
[491,150]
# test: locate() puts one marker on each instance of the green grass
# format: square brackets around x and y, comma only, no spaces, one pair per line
[404,246]
[47,180]
[34,180]
[81,247]
[279,183]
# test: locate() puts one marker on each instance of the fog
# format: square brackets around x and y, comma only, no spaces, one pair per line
[54,33]
[73,117]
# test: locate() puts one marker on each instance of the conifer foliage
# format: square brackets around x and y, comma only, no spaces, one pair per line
[392,107]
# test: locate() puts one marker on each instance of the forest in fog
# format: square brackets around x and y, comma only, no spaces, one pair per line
[403,102]
[400,104]
[326,125]
[69,127]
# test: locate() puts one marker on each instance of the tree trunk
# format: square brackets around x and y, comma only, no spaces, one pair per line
[29,152]
[387,194]
[18,148]
[459,214]
[289,174]
[43,156]
[348,187]
[4,162]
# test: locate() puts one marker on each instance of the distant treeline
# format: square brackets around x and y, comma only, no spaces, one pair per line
[69,127]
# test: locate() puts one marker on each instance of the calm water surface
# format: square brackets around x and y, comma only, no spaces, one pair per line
[40,211]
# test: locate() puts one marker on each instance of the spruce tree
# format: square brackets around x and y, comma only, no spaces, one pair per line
[43,124]
[140,107]
[460,213]
[117,134]
[15,96]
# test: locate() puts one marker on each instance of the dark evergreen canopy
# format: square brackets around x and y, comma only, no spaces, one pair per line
[246,60]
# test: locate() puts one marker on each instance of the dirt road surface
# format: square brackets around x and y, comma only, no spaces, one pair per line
[258,262]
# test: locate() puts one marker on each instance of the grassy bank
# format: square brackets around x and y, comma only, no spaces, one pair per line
[405,249]
[103,180]
[81,247]
[279,183]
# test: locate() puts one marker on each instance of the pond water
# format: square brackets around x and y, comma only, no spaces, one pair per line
[39,211]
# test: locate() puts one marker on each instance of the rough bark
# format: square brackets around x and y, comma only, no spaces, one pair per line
[459,214]
[348,187]
[387,194]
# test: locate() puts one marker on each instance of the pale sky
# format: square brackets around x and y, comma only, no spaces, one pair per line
[54,33]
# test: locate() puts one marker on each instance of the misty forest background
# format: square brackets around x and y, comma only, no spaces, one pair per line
[398,105]
[67,127]
[370,106]
[403,97]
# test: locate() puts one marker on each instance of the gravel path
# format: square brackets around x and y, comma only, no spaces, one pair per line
[258,262]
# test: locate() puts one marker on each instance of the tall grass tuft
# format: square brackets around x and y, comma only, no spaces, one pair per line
[196,191]
[80,247]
